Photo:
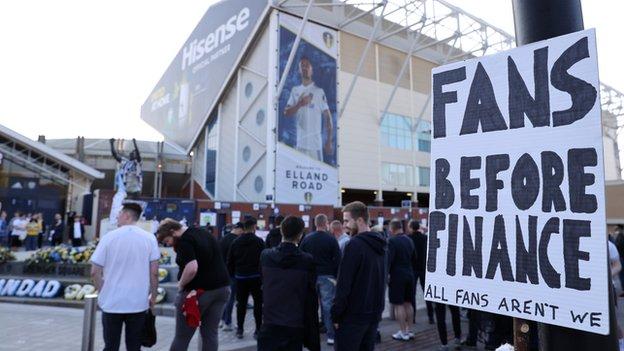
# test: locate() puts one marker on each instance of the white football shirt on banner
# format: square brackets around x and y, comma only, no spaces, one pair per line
[309,117]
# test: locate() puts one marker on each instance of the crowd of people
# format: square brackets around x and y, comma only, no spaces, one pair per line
[30,231]
[342,269]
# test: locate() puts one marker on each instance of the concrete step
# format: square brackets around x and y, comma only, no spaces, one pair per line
[55,302]
[165,310]
[162,309]
[171,289]
[62,279]
[172,269]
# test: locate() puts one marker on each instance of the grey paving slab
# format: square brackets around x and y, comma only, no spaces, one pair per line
[35,328]
[38,328]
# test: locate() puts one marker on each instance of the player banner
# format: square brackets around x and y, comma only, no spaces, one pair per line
[306,150]
[517,222]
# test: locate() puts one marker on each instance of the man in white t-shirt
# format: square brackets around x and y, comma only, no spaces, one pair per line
[308,104]
[124,268]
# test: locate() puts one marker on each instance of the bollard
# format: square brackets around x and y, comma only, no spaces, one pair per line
[88,323]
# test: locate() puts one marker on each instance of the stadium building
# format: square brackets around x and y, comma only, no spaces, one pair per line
[321,102]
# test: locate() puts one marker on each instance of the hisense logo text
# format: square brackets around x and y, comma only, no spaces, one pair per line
[196,49]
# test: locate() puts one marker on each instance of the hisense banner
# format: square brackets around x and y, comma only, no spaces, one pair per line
[306,151]
[180,102]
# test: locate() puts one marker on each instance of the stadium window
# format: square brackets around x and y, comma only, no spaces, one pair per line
[423,133]
[211,157]
[396,132]
[423,176]
[397,174]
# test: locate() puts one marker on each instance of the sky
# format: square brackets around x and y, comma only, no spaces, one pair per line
[73,68]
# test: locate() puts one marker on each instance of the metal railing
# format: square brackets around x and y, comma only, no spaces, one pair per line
[88,323]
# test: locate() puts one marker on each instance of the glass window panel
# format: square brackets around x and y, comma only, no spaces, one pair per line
[423,176]
[397,174]
[423,133]
[211,157]
[396,132]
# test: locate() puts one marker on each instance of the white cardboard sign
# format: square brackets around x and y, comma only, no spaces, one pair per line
[517,222]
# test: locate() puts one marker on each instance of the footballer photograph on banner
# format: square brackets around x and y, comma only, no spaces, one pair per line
[307,115]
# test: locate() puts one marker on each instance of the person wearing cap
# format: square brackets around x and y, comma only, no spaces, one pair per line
[226,243]
[124,268]
[244,266]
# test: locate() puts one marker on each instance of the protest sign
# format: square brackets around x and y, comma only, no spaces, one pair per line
[517,222]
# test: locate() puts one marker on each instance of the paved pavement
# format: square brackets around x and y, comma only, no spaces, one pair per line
[35,328]
[38,328]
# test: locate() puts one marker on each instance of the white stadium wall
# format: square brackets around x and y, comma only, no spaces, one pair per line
[241,166]
[359,136]
[199,163]
[610,161]
[226,188]
[361,151]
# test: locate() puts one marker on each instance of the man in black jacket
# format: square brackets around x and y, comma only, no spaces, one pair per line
[360,290]
[289,294]
[225,243]
[244,266]
[274,238]
[326,252]
[420,243]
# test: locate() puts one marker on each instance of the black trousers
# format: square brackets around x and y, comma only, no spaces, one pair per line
[474,320]
[244,288]
[57,240]
[355,336]
[440,310]
[420,277]
[279,338]
[112,324]
[76,242]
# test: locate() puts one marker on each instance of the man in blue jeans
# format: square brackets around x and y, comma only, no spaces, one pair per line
[326,253]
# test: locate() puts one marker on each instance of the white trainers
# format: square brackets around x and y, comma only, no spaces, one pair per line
[330,341]
[400,336]
[410,334]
